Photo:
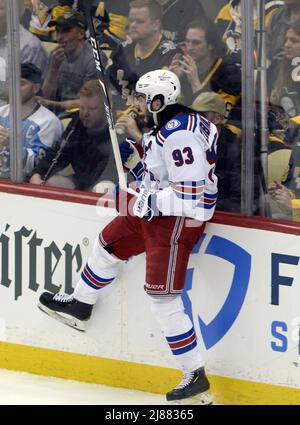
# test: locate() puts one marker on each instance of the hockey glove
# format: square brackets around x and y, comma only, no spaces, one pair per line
[138,171]
[145,205]
[131,155]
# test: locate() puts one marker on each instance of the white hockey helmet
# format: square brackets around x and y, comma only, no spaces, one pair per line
[160,84]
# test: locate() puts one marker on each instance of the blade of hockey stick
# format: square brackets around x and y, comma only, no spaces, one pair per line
[107,105]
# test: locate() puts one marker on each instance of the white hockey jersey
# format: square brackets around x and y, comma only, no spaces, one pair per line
[179,164]
[39,133]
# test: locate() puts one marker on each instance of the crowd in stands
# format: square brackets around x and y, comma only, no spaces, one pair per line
[59,82]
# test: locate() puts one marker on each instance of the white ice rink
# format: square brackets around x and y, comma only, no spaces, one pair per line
[18,388]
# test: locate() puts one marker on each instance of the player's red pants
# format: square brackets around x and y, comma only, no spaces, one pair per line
[167,242]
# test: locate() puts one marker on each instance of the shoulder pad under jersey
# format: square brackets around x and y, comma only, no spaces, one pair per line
[184,121]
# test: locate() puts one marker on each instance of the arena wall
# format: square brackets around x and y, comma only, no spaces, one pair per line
[243,280]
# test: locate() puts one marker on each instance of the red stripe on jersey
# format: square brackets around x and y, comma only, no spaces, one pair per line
[188,189]
[209,201]
[160,138]
[182,343]
[92,279]
[191,123]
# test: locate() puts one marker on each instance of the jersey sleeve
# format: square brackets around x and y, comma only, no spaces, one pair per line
[49,132]
[190,160]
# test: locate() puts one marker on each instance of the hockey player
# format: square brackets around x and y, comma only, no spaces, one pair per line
[177,195]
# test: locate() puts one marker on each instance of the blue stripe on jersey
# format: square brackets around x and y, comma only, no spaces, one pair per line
[98,278]
[88,282]
[92,280]
[192,184]
[180,337]
[183,120]
[189,190]
[183,350]
[196,123]
[208,201]
[211,156]
[211,196]
[206,206]
[188,196]
[183,343]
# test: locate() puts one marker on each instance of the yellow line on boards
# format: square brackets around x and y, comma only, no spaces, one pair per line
[119,373]
[80,367]
[231,391]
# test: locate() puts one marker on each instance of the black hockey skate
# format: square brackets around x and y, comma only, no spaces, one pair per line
[192,389]
[66,309]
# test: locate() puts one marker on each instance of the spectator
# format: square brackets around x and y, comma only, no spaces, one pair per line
[86,147]
[40,127]
[71,63]
[31,50]
[26,13]
[213,8]
[113,15]
[229,26]
[228,169]
[285,90]
[43,12]
[177,14]
[278,26]
[205,67]
[279,126]
[286,192]
[286,200]
[147,49]
[229,21]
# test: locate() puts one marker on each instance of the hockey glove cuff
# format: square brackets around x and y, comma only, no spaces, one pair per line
[138,171]
[145,205]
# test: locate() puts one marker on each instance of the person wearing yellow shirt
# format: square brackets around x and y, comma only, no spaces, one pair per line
[285,199]
[229,21]
[288,198]
[113,15]
[43,12]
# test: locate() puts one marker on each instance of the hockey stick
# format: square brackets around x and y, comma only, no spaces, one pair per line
[54,162]
[107,105]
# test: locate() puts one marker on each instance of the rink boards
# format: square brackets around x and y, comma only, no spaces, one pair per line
[244,284]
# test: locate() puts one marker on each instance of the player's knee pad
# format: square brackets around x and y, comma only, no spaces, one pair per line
[101,260]
[164,308]
[169,312]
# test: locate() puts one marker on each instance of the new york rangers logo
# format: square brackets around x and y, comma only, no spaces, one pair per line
[218,327]
[172,125]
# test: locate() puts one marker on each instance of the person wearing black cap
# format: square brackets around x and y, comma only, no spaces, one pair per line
[40,127]
[71,63]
